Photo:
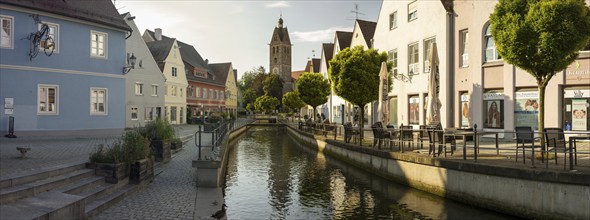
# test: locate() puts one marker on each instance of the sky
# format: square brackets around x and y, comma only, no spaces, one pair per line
[240,31]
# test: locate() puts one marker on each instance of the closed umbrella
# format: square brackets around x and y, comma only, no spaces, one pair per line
[433,105]
[382,108]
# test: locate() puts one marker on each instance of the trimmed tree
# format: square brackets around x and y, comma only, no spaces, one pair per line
[273,86]
[292,101]
[266,103]
[313,89]
[541,37]
[354,73]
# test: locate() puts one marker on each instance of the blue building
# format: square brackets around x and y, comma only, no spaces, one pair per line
[75,84]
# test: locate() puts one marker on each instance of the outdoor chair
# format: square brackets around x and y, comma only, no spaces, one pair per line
[380,134]
[555,141]
[407,134]
[525,138]
[423,135]
[436,137]
[350,133]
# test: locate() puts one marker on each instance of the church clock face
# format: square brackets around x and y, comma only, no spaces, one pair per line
[275,70]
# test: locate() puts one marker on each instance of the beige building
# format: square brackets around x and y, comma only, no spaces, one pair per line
[167,55]
[477,87]
[406,30]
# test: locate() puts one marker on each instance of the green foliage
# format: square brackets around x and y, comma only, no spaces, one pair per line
[359,69]
[159,129]
[541,37]
[313,89]
[292,101]
[273,86]
[113,154]
[266,103]
[214,118]
[135,146]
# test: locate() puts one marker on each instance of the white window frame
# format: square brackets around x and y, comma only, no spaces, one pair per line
[393,20]
[155,89]
[221,96]
[198,92]
[204,93]
[392,56]
[94,111]
[211,94]
[427,48]
[173,91]
[54,36]
[56,98]
[414,66]
[174,72]
[463,45]
[94,51]
[136,113]
[487,36]
[10,33]
[412,11]
[138,88]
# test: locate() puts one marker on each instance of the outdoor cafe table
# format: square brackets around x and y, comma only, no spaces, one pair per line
[398,131]
[465,134]
[572,145]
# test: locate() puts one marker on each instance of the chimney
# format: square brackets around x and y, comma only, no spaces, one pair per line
[158,33]
[206,61]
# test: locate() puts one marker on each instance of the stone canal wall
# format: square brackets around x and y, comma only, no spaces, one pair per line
[523,192]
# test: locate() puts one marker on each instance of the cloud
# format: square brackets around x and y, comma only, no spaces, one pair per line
[324,35]
[279,4]
[236,10]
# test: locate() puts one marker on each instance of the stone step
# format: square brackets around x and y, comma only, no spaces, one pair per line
[35,175]
[83,185]
[48,205]
[103,203]
[35,188]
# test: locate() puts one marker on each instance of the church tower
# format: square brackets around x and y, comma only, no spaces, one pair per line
[280,56]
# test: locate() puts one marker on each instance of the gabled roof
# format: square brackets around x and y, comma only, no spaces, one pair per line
[328,50]
[283,34]
[296,74]
[316,65]
[344,39]
[96,11]
[188,52]
[221,71]
[160,50]
[368,30]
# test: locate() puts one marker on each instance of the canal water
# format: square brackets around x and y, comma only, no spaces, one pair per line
[270,176]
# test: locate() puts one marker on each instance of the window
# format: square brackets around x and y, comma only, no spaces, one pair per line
[198,92]
[149,114]
[173,90]
[427,49]
[138,88]
[392,57]
[493,116]
[491,54]
[465,110]
[221,95]
[575,113]
[216,95]
[173,114]
[98,101]
[463,44]
[154,90]
[412,11]
[413,59]
[6,32]
[47,99]
[174,71]
[204,93]
[414,110]
[133,113]
[211,94]
[54,34]
[98,41]
[393,20]
[181,94]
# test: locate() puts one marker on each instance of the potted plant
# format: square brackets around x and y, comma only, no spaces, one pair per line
[138,152]
[110,162]
[213,122]
[159,132]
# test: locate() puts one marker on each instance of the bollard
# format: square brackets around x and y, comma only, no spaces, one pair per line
[10,128]
[199,145]
[475,142]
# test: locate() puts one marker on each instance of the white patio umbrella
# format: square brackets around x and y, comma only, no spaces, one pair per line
[382,108]
[433,105]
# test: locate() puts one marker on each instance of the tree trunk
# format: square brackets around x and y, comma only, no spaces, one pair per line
[314,114]
[542,85]
[362,123]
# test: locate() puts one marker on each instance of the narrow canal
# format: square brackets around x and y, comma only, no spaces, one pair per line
[270,176]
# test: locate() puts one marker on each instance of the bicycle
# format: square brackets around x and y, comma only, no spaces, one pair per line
[41,38]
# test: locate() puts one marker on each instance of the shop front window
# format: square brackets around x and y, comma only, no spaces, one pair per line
[576,102]
[493,110]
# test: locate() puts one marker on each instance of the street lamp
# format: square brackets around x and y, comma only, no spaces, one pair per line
[404,78]
[131,63]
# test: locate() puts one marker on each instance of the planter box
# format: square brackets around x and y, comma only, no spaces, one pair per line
[113,172]
[161,150]
[175,145]
[141,170]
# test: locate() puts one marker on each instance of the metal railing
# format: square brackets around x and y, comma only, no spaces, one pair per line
[217,134]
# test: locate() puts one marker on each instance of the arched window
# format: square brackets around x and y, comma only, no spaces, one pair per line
[275,60]
[491,54]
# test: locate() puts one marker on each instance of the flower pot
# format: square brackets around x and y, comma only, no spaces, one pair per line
[161,150]
[141,170]
[113,172]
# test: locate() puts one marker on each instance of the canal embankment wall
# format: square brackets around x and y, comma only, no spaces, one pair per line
[522,192]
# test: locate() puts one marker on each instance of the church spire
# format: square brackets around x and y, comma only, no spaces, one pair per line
[281,20]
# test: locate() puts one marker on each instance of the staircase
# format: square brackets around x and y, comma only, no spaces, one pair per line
[69,191]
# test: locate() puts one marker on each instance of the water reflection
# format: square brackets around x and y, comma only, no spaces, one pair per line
[271,177]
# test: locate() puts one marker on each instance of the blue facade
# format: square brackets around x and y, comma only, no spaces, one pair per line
[72,69]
